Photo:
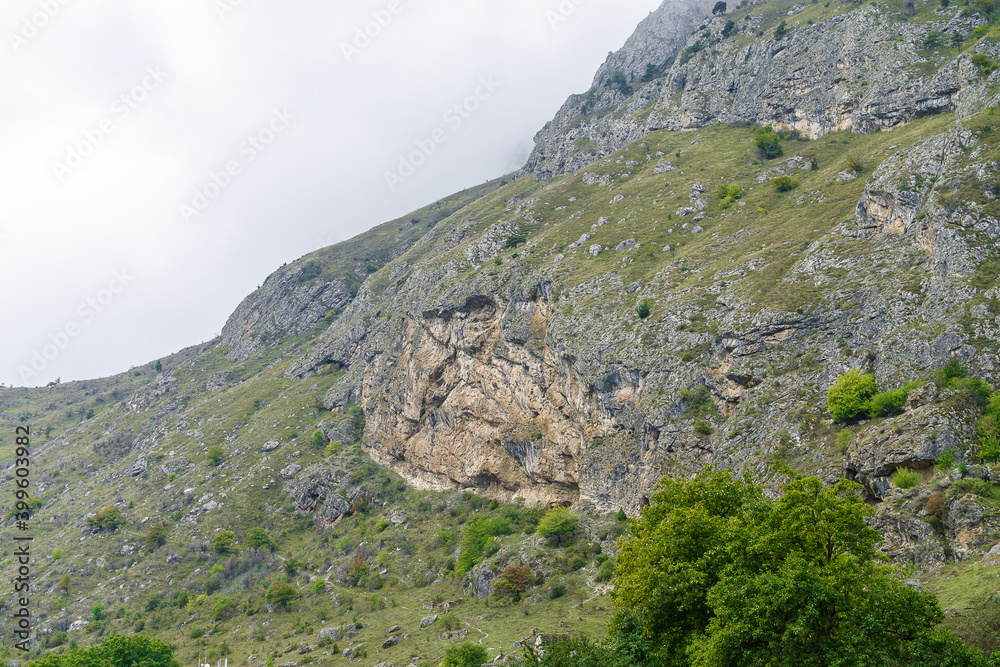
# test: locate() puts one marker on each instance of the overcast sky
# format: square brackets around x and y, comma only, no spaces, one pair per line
[159,159]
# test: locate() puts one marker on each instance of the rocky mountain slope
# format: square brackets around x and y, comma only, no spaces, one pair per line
[654,295]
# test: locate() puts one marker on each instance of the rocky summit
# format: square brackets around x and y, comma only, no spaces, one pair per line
[750,202]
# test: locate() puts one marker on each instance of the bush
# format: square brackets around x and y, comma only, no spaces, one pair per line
[466,655]
[318,440]
[513,581]
[728,193]
[728,29]
[259,539]
[702,427]
[844,439]
[311,270]
[282,594]
[850,395]
[892,401]
[784,183]
[906,479]
[215,454]
[946,460]
[558,522]
[223,541]
[768,143]
[643,310]
[720,7]
[618,81]
[332,449]
[156,537]
[950,371]
[109,519]
[515,240]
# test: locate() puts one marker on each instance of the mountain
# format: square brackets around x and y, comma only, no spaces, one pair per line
[743,208]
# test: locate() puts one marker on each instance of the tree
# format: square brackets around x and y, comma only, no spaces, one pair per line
[115,651]
[720,7]
[97,612]
[713,571]
[215,454]
[109,519]
[318,440]
[156,537]
[259,539]
[728,29]
[619,81]
[466,655]
[850,395]
[768,143]
[780,31]
[282,594]
[558,522]
[223,541]
[64,585]
[514,580]
[159,366]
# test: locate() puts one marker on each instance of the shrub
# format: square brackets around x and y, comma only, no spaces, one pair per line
[784,183]
[937,511]
[109,519]
[844,439]
[720,7]
[906,479]
[728,193]
[318,440]
[156,537]
[780,31]
[466,655]
[311,270]
[850,395]
[728,29]
[513,581]
[978,390]
[889,402]
[223,607]
[946,460]
[223,541]
[618,81]
[702,427]
[950,371]
[515,240]
[643,310]
[768,143]
[558,522]
[259,539]
[332,449]
[621,516]
[97,612]
[282,594]
[215,454]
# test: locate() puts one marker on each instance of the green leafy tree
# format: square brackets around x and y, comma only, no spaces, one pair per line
[712,574]
[115,651]
[109,519]
[720,7]
[318,440]
[780,31]
[466,655]
[156,537]
[850,395]
[223,542]
[259,539]
[282,594]
[619,81]
[215,455]
[558,522]
[768,143]
[223,607]
[159,367]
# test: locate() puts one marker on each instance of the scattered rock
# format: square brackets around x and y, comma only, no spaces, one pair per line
[290,471]
[428,620]
[625,245]
[698,229]
[846,176]
[390,642]
[595,249]
[270,446]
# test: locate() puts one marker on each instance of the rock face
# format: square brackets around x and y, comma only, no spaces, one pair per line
[287,304]
[858,71]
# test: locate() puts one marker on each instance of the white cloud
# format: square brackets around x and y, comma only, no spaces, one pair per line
[322,178]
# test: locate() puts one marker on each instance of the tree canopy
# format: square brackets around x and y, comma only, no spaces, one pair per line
[714,574]
[115,651]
